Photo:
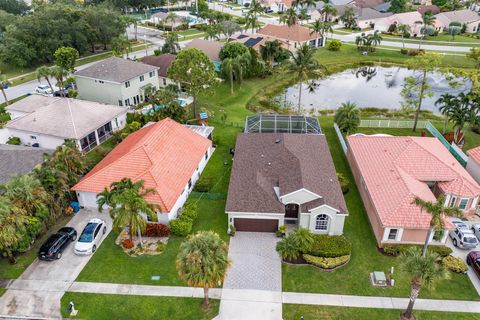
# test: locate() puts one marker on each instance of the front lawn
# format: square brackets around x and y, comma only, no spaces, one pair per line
[354,277]
[106,307]
[111,264]
[295,311]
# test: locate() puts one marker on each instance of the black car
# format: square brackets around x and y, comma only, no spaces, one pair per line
[52,248]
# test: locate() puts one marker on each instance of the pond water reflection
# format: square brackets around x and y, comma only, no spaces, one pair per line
[377,87]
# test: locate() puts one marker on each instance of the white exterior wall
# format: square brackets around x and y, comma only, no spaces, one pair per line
[111,92]
[298,197]
[474,169]
[87,199]
[335,221]
[164,81]
[29,138]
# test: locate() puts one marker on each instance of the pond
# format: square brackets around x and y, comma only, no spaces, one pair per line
[377,87]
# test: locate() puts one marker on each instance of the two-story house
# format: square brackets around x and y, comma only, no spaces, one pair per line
[116,81]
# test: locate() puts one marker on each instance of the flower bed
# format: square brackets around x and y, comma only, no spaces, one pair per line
[149,245]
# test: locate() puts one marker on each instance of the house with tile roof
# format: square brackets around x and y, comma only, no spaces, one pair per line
[284,178]
[46,122]
[391,172]
[116,81]
[295,35]
[467,17]
[167,156]
[473,163]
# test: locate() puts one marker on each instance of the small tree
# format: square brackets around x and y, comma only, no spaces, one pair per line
[121,45]
[44,72]
[474,54]
[348,18]
[171,44]
[202,261]
[194,70]
[405,30]
[423,271]
[454,28]
[347,117]
[65,58]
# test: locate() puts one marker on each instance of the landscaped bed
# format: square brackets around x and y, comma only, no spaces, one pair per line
[106,307]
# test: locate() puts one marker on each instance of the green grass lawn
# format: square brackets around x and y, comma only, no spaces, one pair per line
[2,291]
[309,312]
[106,307]
[354,277]
[111,264]
[13,271]
[444,38]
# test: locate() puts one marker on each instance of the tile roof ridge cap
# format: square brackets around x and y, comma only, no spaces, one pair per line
[149,172]
[434,155]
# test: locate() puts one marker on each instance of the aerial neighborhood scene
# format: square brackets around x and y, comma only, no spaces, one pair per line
[240,159]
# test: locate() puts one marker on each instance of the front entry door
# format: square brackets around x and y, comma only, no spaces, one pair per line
[291,211]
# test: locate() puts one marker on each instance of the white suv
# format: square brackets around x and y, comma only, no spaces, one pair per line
[464,238]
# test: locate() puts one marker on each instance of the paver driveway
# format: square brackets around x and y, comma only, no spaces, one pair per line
[37,292]
[253,287]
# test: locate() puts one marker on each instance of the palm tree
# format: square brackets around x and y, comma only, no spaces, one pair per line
[171,44]
[404,29]
[303,238]
[44,72]
[128,206]
[464,110]
[228,67]
[423,271]
[446,102]
[202,261]
[347,117]
[172,16]
[288,248]
[13,223]
[428,21]
[26,192]
[303,65]
[290,18]
[3,86]
[251,21]
[255,8]
[270,50]
[59,74]
[71,161]
[241,64]
[438,213]
[211,32]
[120,46]
[321,28]
[374,39]
[328,10]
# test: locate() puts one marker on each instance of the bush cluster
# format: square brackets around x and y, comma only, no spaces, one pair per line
[334,45]
[398,249]
[404,51]
[128,244]
[330,246]
[454,264]
[183,225]
[204,184]
[326,263]
[415,52]
[157,230]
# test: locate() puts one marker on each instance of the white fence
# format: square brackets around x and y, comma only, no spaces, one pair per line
[408,124]
[340,138]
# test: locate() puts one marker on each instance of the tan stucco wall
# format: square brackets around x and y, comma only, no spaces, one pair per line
[414,235]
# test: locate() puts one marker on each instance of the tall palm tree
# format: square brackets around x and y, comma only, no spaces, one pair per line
[3,86]
[328,10]
[463,111]
[374,39]
[44,72]
[446,102]
[127,208]
[270,50]
[202,261]
[228,68]
[303,65]
[71,161]
[438,212]
[255,8]
[212,32]
[423,271]
[428,20]
[251,21]
[172,16]
[171,44]
[290,18]
[347,117]
[26,192]
[403,29]
[241,64]
[321,28]
[60,75]
[13,223]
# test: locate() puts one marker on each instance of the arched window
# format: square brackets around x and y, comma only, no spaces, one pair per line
[322,222]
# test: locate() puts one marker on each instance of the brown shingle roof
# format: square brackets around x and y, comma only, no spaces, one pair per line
[368,3]
[282,32]
[162,62]
[211,48]
[287,161]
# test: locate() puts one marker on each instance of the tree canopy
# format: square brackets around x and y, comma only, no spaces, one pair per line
[233,50]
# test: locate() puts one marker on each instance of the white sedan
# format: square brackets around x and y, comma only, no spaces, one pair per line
[43,89]
[91,236]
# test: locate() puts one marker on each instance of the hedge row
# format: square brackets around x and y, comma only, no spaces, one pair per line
[398,249]
[330,246]
[326,263]
[454,264]
[182,226]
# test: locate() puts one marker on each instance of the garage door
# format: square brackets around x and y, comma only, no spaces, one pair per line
[256,225]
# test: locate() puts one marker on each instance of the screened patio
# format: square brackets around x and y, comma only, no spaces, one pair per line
[273,123]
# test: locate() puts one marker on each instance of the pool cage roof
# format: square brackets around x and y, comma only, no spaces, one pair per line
[264,123]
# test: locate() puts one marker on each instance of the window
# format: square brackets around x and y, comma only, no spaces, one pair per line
[463,203]
[392,234]
[33,137]
[127,84]
[321,222]
[452,201]
[120,103]
[164,81]
[151,74]
[101,81]
[206,155]
[189,183]
[142,77]
[134,100]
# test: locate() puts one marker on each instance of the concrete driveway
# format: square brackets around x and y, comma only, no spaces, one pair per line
[462,254]
[37,292]
[253,287]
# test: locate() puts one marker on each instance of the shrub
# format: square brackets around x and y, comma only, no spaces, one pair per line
[181,227]
[398,249]
[128,244]
[334,45]
[415,52]
[189,212]
[288,248]
[14,140]
[330,246]
[404,51]
[204,184]
[326,263]
[24,244]
[454,264]
[157,52]
[343,183]
[161,246]
[304,239]
[233,230]
[157,230]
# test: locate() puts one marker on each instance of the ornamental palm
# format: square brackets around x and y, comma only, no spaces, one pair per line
[438,213]
[71,161]
[241,66]
[375,38]
[60,75]
[423,270]
[288,248]
[428,21]
[202,261]
[212,32]
[328,10]
[251,21]
[13,223]
[304,65]
[321,28]
[403,29]
[270,50]
[171,44]
[255,8]
[228,68]
[446,102]
[290,18]
[44,72]
[347,117]
[463,112]
[304,239]
[26,192]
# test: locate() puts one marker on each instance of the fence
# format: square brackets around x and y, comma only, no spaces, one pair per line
[340,138]
[454,149]
[405,124]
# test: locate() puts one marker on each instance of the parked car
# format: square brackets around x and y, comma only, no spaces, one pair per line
[54,246]
[459,224]
[476,230]
[473,260]
[464,238]
[90,237]
[43,89]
